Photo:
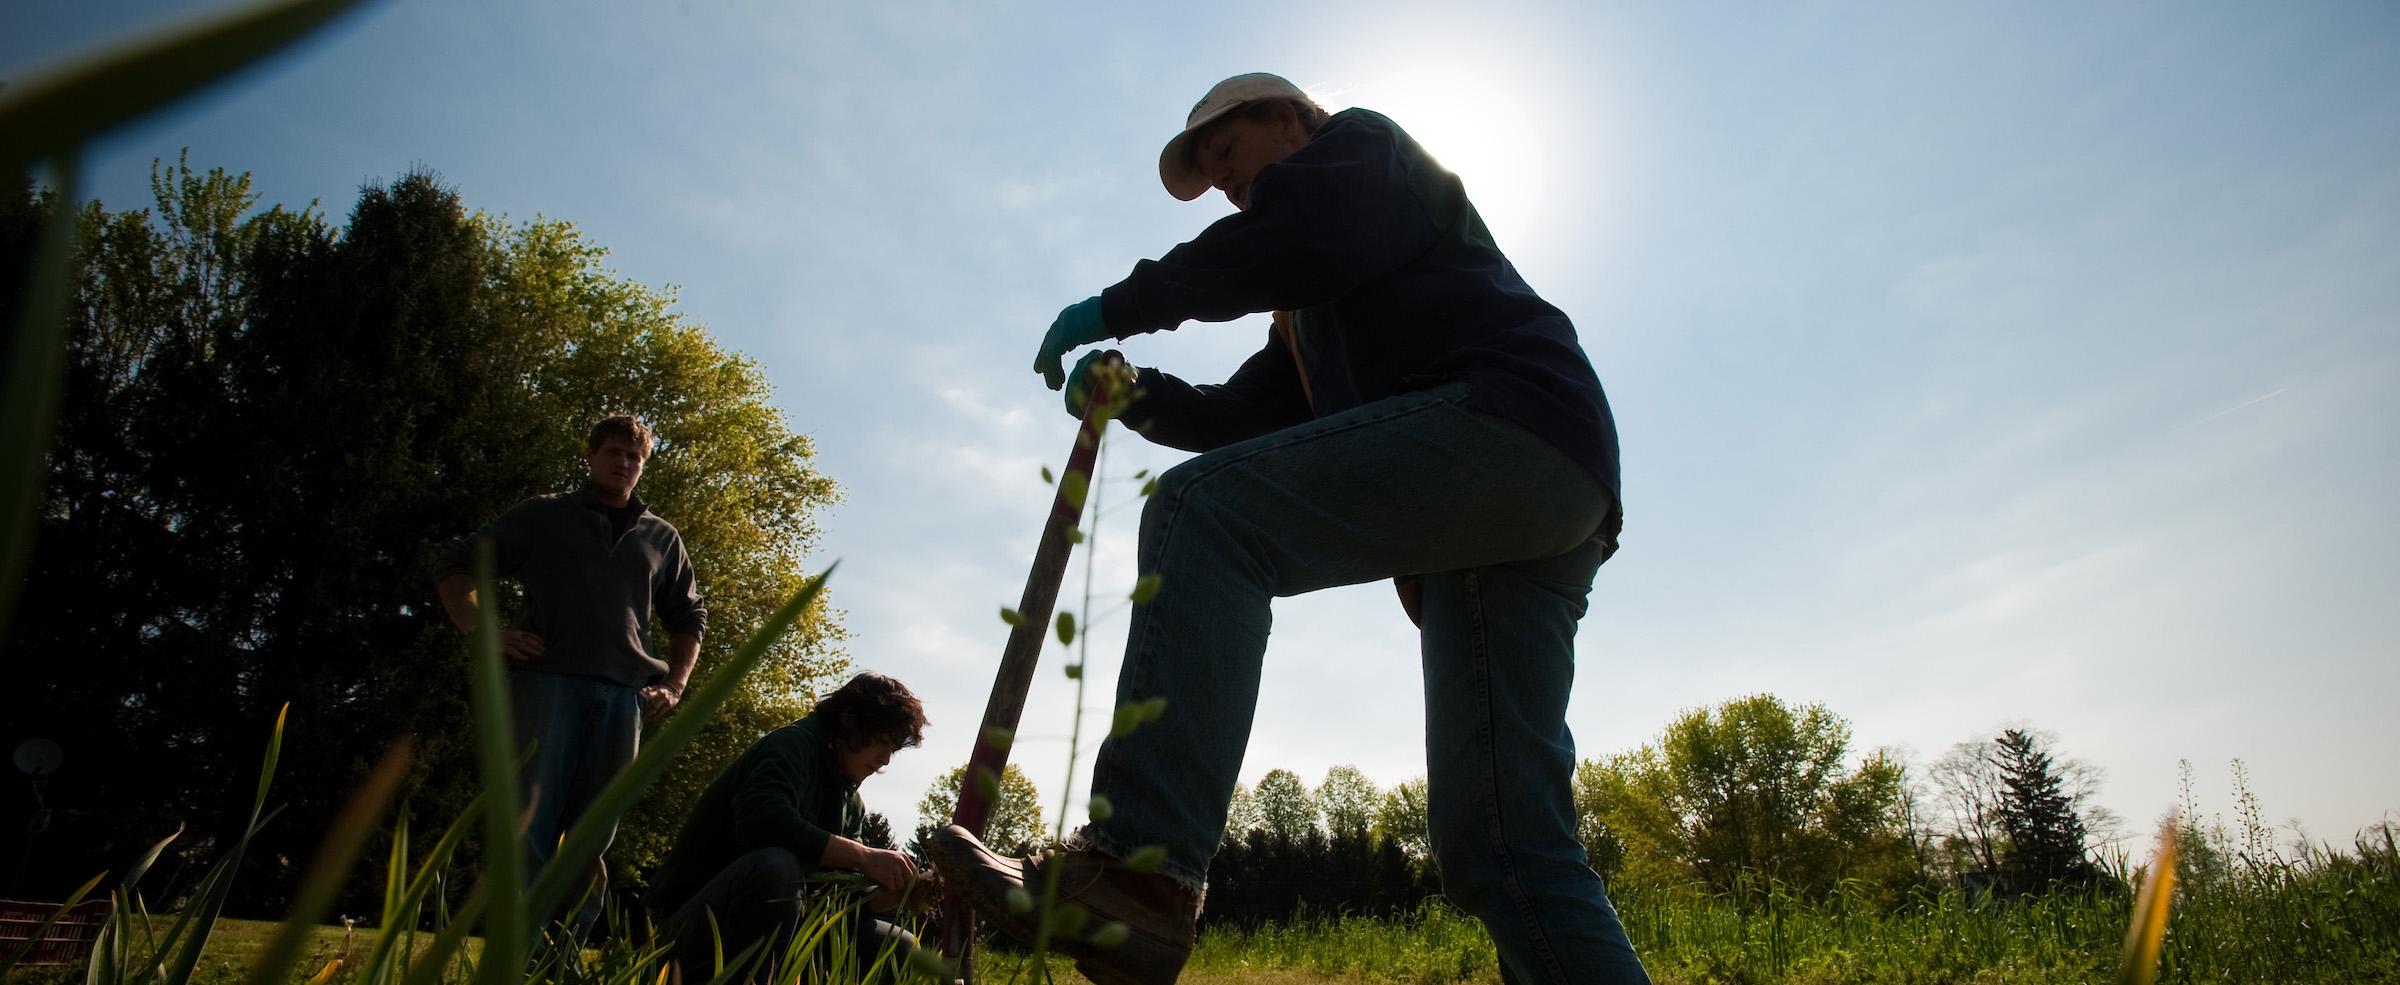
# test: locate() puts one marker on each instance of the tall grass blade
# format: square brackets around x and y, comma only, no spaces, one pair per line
[9,964]
[735,970]
[323,884]
[2138,964]
[427,970]
[395,871]
[62,108]
[400,917]
[189,916]
[585,840]
[200,917]
[504,940]
[36,367]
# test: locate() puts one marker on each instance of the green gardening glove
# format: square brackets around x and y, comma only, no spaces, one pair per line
[1079,379]
[1079,325]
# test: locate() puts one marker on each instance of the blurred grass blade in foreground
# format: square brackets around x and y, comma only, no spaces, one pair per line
[504,941]
[56,111]
[37,359]
[2139,963]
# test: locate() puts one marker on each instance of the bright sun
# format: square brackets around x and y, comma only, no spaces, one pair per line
[1475,129]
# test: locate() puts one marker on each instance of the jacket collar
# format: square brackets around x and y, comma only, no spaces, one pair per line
[589,497]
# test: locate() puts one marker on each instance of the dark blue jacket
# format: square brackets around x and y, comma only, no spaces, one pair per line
[1396,286]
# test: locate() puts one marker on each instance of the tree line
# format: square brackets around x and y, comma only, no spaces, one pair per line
[1747,798]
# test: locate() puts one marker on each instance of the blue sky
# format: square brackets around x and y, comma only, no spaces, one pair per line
[1975,364]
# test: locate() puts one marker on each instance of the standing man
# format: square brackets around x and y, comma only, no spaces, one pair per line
[596,566]
[786,808]
[1419,414]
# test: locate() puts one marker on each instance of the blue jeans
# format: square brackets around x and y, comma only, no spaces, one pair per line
[584,730]
[1507,532]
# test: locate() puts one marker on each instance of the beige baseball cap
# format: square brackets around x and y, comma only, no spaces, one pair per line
[1175,167]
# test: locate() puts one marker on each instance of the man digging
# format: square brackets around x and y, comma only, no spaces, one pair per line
[1419,414]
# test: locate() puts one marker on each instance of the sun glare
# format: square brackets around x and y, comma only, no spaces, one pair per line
[1474,127]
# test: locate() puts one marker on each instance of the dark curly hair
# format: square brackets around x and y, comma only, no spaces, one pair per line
[873,706]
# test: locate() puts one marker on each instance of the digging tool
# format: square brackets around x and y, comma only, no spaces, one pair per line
[1024,651]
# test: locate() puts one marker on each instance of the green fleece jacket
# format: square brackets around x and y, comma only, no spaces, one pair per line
[786,791]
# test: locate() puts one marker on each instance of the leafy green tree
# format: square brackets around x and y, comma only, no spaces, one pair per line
[1401,819]
[1603,850]
[1755,789]
[1241,815]
[1015,821]
[1347,800]
[1286,812]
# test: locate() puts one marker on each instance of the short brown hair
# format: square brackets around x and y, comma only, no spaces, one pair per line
[872,706]
[624,426]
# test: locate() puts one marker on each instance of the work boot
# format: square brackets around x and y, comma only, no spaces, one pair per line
[1159,914]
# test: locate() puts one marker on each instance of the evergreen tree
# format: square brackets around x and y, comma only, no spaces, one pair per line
[2045,837]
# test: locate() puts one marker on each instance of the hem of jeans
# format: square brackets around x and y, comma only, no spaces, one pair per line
[1099,841]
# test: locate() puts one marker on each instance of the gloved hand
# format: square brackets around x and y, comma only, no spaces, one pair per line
[1079,379]
[1078,325]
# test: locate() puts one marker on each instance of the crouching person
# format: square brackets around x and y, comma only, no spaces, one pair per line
[786,808]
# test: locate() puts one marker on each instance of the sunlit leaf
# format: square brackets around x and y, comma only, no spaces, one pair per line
[1145,588]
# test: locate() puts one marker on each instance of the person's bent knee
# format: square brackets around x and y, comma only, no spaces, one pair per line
[1179,491]
[1475,879]
[776,864]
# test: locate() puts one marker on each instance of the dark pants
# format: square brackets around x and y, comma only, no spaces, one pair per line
[757,898]
[584,731]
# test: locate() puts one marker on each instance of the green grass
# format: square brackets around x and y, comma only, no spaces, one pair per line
[2326,918]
